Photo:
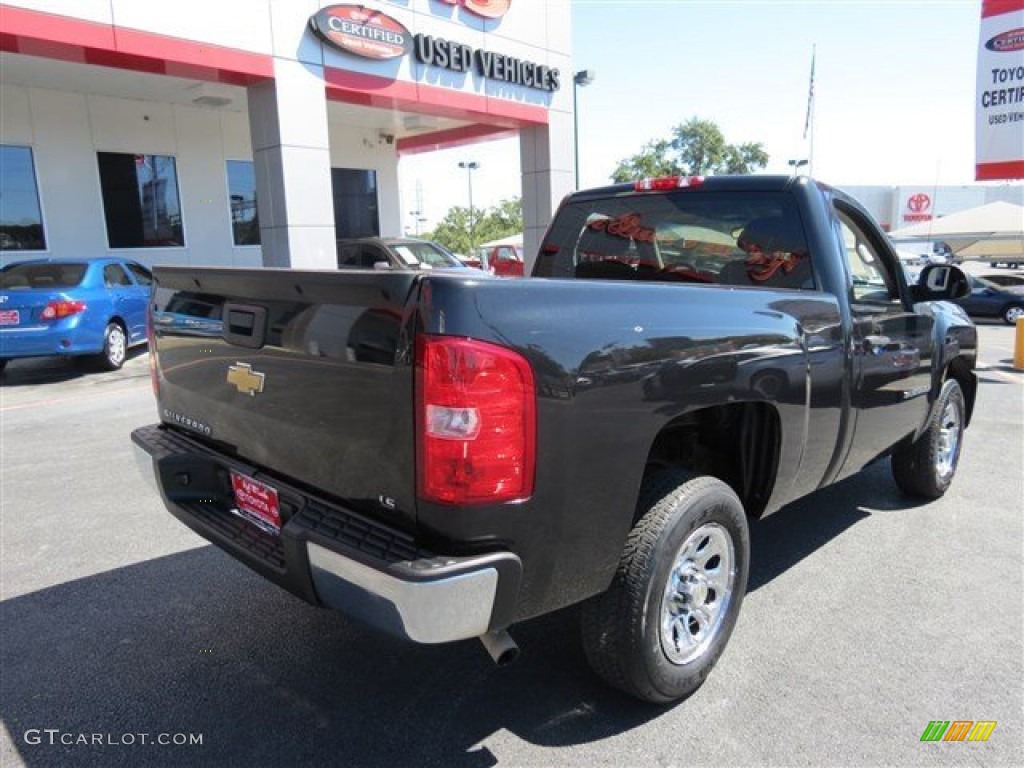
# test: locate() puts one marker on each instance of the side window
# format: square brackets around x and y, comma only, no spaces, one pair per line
[114,275]
[21,221]
[348,256]
[245,223]
[141,274]
[871,280]
[140,200]
[371,256]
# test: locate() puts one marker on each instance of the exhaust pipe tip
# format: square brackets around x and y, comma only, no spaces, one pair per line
[501,647]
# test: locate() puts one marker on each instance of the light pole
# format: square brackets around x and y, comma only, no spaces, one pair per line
[470,166]
[796,165]
[417,220]
[582,78]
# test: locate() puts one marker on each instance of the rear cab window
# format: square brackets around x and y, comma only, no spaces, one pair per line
[753,239]
[48,276]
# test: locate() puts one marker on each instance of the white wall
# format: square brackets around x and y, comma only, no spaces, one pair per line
[66,130]
[363,149]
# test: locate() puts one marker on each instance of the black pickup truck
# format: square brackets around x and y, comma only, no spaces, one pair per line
[443,456]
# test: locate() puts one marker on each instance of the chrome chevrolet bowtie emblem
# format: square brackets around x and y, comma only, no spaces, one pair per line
[245,379]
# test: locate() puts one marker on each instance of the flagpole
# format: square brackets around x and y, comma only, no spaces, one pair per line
[810,153]
[809,121]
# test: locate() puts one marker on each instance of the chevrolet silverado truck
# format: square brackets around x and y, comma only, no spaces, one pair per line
[443,456]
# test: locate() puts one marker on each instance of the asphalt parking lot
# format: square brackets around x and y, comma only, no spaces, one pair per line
[868,617]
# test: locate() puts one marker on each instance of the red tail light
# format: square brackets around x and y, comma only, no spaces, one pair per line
[667,182]
[56,310]
[476,422]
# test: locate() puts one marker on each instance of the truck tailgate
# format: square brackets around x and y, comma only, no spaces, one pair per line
[306,375]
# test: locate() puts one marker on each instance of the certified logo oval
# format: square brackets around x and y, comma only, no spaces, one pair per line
[362,31]
[1007,42]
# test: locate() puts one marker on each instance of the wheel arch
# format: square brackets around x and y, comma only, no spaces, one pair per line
[739,443]
[960,369]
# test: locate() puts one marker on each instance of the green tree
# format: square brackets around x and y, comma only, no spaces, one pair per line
[455,232]
[651,162]
[696,147]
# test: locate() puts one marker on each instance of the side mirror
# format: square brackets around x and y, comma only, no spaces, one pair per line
[381,265]
[941,282]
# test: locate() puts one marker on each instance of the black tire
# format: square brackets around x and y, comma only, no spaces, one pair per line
[1012,312]
[3,365]
[115,348]
[926,466]
[624,638]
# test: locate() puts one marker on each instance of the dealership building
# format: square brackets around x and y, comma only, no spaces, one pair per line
[249,132]
[903,206]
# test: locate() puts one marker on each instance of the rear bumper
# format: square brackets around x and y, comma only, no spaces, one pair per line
[43,341]
[330,555]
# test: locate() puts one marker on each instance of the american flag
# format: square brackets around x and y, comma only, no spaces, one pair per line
[810,95]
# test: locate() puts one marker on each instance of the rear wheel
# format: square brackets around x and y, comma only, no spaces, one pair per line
[115,348]
[660,627]
[1013,313]
[926,466]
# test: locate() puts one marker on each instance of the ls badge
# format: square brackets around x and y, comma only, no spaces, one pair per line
[245,379]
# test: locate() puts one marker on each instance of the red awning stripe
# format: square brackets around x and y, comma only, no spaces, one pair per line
[999,7]
[48,35]
[373,91]
[1011,169]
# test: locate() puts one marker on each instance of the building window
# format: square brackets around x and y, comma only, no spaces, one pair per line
[21,221]
[140,200]
[245,223]
[355,203]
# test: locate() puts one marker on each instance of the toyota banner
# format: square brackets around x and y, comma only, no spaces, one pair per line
[999,135]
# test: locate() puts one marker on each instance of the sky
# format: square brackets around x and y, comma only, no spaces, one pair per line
[894,92]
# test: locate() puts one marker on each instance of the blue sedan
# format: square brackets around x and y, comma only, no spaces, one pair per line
[987,299]
[75,307]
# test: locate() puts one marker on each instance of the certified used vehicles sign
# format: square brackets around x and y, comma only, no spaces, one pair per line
[362,31]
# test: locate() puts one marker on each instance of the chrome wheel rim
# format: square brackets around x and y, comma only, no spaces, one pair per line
[1013,314]
[950,429]
[698,593]
[116,345]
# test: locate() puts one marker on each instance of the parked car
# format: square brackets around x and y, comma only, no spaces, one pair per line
[403,253]
[74,308]
[443,456]
[1004,280]
[987,299]
[503,260]
[476,262]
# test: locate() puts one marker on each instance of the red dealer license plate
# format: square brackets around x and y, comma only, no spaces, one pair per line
[257,502]
[10,317]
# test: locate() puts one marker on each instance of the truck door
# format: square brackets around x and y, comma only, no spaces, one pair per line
[892,346]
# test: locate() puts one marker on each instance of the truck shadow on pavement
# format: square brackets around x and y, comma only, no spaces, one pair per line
[194,643]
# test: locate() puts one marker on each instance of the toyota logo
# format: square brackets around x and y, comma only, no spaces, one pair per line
[919,203]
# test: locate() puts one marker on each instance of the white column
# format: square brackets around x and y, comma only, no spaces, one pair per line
[546,158]
[291,152]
